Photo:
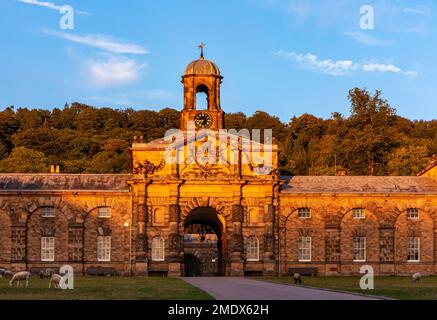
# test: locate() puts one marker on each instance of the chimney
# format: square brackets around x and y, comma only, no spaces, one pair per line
[341,172]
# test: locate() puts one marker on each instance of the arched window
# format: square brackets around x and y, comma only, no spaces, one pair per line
[358,213]
[304,213]
[202,97]
[48,212]
[253,249]
[158,249]
[413,214]
[104,213]
[253,216]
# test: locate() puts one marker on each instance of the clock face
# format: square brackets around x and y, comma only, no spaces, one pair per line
[203,120]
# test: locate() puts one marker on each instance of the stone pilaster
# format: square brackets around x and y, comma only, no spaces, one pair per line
[174,258]
[237,265]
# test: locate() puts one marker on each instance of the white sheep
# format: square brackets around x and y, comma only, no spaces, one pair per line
[297,278]
[417,277]
[20,276]
[56,280]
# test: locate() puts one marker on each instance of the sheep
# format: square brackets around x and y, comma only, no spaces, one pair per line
[20,276]
[56,280]
[8,274]
[2,273]
[297,278]
[46,274]
[417,277]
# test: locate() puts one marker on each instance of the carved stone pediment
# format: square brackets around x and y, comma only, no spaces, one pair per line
[148,168]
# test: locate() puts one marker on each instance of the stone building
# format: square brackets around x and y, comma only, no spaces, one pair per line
[264,223]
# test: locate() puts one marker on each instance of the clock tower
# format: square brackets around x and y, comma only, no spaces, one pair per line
[202,76]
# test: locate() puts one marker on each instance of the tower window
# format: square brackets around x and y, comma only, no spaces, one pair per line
[202,97]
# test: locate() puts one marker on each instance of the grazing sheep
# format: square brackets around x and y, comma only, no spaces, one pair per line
[417,277]
[297,278]
[20,276]
[46,274]
[56,280]
[8,274]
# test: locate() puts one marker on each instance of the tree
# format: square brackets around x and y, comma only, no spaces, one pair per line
[369,135]
[24,160]
[408,161]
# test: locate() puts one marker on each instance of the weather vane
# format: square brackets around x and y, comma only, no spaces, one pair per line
[201,47]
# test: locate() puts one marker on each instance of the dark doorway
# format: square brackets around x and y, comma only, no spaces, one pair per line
[204,244]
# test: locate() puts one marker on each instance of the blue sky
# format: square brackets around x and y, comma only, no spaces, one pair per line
[287,57]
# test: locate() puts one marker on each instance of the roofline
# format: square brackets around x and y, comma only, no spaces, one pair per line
[431,166]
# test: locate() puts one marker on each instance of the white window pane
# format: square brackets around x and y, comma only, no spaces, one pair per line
[104,212]
[253,249]
[48,212]
[413,213]
[359,249]
[158,249]
[304,213]
[358,213]
[103,248]
[414,249]
[305,249]
[47,249]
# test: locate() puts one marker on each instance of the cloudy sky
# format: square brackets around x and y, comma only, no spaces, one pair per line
[287,57]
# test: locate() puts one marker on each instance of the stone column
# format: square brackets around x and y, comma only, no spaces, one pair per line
[386,249]
[237,263]
[269,242]
[174,265]
[141,245]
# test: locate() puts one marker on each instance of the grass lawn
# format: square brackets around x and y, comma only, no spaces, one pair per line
[102,288]
[393,287]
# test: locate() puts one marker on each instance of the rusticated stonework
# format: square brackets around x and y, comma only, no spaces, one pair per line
[265,224]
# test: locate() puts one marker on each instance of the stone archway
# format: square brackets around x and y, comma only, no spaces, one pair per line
[205,258]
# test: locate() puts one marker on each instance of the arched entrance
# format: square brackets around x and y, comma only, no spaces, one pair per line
[204,243]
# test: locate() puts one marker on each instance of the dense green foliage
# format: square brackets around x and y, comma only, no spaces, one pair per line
[372,140]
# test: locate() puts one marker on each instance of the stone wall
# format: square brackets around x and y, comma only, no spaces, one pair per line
[332,229]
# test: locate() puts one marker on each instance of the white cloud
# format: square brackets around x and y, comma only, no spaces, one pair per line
[49,5]
[101,41]
[367,39]
[419,10]
[113,71]
[309,60]
[340,67]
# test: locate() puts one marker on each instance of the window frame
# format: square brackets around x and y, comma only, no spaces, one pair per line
[361,214]
[301,210]
[50,210]
[160,248]
[305,249]
[252,251]
[361,247]
[48,249]
[102,210]
[416,216]
[103,244]
[415,246]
